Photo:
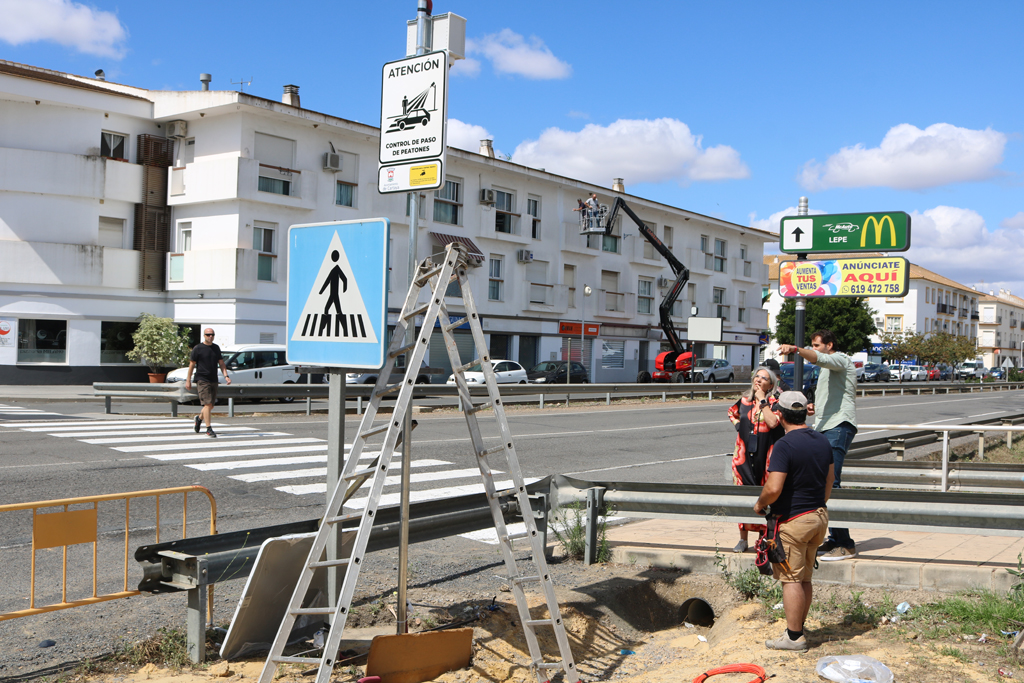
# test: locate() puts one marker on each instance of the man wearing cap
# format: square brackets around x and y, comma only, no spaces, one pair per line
[836,412]
[800,476]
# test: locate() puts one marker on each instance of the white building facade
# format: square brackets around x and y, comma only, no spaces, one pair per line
[116,201]
[1000,337]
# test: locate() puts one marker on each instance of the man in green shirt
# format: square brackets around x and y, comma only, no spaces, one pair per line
[836,411]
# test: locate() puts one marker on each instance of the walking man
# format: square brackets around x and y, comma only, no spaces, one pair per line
[800,476]
[836,412]
[204,360]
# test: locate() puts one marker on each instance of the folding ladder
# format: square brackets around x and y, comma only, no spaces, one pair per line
[453,268]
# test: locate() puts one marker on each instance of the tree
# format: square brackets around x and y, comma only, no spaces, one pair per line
[159,343]
[902,346]
[942,347]
[850,319]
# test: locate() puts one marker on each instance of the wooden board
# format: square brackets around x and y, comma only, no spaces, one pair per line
[417,657]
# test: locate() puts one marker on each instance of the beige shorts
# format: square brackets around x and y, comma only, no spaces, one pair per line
[207,392]
[800,538]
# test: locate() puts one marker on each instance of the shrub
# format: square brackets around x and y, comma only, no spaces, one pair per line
[159,343]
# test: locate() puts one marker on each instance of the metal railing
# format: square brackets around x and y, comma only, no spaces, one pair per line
[81,526]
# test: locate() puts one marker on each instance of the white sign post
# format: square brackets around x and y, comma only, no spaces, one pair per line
[413,123]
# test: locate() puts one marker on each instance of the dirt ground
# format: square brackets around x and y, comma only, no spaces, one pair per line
[627,626]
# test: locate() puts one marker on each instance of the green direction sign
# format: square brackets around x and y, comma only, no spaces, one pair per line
[888,231]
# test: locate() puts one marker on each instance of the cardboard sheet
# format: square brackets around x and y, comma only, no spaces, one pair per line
[417,657]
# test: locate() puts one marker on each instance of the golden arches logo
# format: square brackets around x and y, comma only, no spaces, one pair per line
[879,227]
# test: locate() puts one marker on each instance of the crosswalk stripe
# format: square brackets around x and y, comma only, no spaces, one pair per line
[243,452]
[89,423]
[298,460]
[102,424]
[179,430]
[149,448]
[322,472]
[395,498]
[187,437]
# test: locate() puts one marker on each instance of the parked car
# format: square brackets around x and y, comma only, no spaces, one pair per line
[946,373]
[997,373]
[254,364]
[859,365]
[934,374]
[371,377]
[553,372]
[505,371]
[811,374]
[877,372]
[913,373]
[712,370]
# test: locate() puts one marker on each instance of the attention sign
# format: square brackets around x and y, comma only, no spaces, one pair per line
[845,277]
[881,231]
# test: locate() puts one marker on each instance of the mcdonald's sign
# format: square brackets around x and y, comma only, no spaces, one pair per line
[846,232]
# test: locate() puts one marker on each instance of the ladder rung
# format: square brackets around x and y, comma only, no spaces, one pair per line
[540,622]
[518,537]
[452,325]
[462,368]
[295,660]
[312,610]
[398,352]
[341,519]
[483,406]
[425,277]
[490,451]
[360,473]
[504,493]
[550,665]
[375,430]
[328,563]
[390,389]
[525,579]
[417,311]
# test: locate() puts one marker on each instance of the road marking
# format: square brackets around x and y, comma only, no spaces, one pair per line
[297,460]
[124,425]
[188,437]
[653,462]
[149,448]
[180,430]
[243,451]
[389,481]
[90,423]
[414,496]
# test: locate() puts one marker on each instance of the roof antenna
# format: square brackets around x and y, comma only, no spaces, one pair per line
[241,84]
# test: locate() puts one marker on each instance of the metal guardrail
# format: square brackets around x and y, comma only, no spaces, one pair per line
[927,476]
[73,527]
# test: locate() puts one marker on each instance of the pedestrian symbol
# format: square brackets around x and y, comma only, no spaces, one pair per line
[334,310]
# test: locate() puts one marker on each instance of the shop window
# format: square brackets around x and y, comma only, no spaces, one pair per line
[116,341]
[42,341]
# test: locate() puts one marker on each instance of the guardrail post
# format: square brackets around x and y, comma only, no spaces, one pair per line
[540,517]
[359,405]
[174,409]
[595,501]
[608,399]
[309,405]
[542,401]
[664,398]
[981,445]
[106,404]
[945,461]
[196,619]
[898,446]
[709,394]
[1008,422]
[231,407]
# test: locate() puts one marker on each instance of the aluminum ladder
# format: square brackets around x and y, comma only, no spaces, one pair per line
[453,267]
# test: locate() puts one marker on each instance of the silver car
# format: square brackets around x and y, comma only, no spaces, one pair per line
[713,370]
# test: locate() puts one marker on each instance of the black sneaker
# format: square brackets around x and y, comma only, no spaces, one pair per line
[199,423]
[210,433]
[826,547]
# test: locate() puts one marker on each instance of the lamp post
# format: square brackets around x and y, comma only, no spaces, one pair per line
[587,291]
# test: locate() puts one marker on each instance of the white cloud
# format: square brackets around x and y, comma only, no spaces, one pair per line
[641,151]
[911,159]
[511,53]
[1014,222]
[86,29]
[468,67]
[466,136]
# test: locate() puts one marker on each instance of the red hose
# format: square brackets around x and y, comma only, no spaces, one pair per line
[762,676]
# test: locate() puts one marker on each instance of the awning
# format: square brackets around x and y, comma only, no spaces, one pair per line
[475,252]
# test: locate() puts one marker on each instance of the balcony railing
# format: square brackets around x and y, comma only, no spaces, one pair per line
[615,301]
[963,312]
[1013,322]
[542,294]
[940,308]
[975,315]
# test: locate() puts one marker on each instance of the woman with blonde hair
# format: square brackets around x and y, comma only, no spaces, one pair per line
[757,430]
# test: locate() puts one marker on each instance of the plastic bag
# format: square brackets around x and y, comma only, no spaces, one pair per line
[853,669]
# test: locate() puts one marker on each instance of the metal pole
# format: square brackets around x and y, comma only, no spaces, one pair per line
[798,327]
[335,463]
[945,460]
[410,337]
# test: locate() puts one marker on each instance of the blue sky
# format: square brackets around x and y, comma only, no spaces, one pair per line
[730,109]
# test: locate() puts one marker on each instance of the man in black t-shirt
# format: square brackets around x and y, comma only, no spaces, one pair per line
[204,361]
[800,477]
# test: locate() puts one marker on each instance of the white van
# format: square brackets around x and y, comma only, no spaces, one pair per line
[253,364]
[971,368]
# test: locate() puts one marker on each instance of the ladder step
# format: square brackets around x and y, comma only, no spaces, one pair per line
[375,430]
[452,325]
[491,451]
[462,368]
[550,665]
[327,563]
[540,622]
[417,311]
[342,519]
[525,579]
[398,352]
[425,277]
[312,610]
[389,389]
[518,537]
[504,493]
[295,660]
[360,473]
[482,406]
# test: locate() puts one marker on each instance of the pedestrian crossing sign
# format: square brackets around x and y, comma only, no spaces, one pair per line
[337,302]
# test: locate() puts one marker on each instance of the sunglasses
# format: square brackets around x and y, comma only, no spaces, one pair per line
[208,334]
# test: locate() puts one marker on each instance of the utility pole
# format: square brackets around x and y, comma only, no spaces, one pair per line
[801,310]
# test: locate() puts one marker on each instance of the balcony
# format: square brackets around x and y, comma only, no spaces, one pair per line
[941,308]
[573,241]
[1013,322]
[643,251]
[975,315]
[615,304]
[546,298]
[963,313]
[213,269]
[227,177]
[68,265]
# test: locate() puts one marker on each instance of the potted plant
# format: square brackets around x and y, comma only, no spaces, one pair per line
[159,343]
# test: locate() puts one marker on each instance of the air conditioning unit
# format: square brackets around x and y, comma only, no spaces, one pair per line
[525,256]
[664,281]
[332,161]
[177,129]
[486,196]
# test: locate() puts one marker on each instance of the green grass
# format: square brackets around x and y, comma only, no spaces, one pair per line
[570,530]
[751,583]
[979,611]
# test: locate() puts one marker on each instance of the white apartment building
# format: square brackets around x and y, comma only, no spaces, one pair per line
[116,200]
[999,337]
[933,303]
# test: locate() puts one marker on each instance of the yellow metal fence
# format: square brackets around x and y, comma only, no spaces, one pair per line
[79,526]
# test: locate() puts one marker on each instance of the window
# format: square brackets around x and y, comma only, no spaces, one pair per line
[116,340]
[677,308]
[496,282]
[747,267]
[537,276]
[448,203]
[345,194]
[421,206]
[720,248]
[505,218]
[718,298]
[613,355]
[894,323]
[705,247]
[111,232]
[185,236]
[741,311]
[613,299]
[263,242]
[533,208]
[183,243]
[610,243]
[42,341]
[569,280]
[668,236]
[453,289]
[649,252]
[114,146]
[275,185]
[927,295]
[645,295]
[691,295]
[187,150]
[276,157]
